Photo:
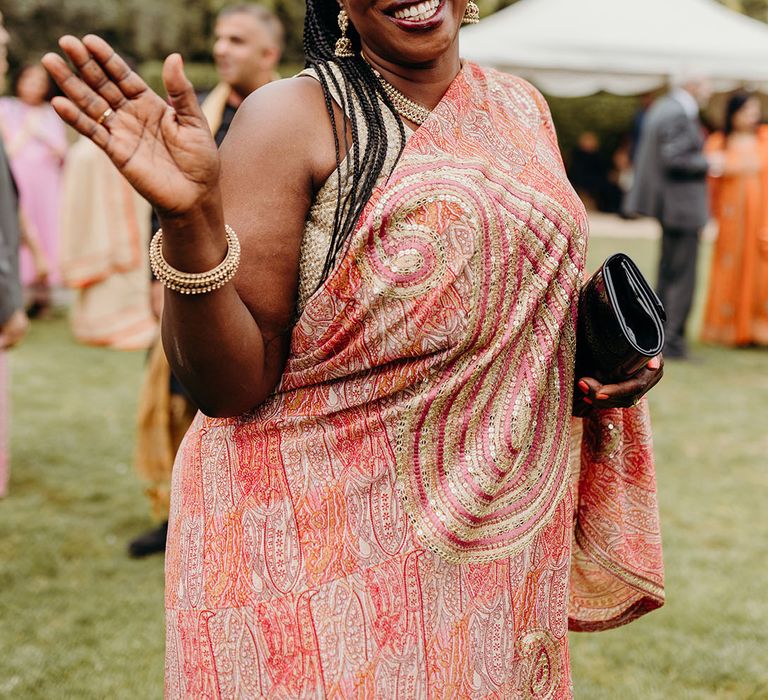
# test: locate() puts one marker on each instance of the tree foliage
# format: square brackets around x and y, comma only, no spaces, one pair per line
[141,29]
[149,29]
[754,8]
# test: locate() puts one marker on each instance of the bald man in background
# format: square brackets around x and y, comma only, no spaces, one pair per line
[247,49]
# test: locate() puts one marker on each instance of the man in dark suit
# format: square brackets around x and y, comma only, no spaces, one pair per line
[670,185]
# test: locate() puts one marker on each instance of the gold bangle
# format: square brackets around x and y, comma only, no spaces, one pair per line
[194,282]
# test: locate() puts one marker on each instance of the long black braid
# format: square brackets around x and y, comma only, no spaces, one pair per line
[359,86]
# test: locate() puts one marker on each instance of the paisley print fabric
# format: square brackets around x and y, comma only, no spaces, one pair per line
[397,520]
[617,571]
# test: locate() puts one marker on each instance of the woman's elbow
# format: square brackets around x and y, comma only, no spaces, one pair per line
[227,405]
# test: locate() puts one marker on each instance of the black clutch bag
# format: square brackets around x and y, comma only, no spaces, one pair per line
[620,324]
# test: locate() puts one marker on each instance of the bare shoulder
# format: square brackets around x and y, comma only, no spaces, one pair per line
[288,101]
[286,123]
[271,159]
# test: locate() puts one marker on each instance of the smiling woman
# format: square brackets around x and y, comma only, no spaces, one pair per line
[420,12]
[378,499]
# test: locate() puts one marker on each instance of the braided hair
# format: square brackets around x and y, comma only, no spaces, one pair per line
[360,86]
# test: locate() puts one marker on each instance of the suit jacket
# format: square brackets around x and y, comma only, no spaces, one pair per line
[670,169]
[10,235]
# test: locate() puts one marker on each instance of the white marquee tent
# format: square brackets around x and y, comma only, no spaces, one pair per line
[579,47]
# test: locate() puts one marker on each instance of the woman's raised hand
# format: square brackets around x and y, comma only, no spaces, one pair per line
[164,149]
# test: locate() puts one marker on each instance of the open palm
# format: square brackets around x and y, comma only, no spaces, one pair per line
[164,149]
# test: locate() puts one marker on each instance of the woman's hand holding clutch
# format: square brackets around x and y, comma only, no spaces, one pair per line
[591,394]
[619,337]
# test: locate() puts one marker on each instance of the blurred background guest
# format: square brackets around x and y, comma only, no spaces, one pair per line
[587,171]
[13,320]
[247,49]
[737,301]
[31,244]
[104,238]
[622,173]
[646,101]
[36,144]
[670,185]
[595,179]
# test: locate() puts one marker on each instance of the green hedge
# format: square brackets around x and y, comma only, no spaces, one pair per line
[202,75]
[608,116]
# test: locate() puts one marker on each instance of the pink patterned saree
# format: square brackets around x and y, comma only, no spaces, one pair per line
[401,518]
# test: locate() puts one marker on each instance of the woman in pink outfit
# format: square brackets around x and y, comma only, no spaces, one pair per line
[36,143]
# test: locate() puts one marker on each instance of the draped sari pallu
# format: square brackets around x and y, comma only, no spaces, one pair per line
[397,520]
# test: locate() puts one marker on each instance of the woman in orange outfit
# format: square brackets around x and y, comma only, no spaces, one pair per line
[737,304]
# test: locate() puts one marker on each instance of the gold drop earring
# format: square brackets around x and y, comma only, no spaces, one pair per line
[471,13]
[343,44]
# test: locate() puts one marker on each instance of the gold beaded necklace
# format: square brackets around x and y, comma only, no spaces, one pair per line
[404,106]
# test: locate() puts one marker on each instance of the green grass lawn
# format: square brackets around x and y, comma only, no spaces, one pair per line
[78,619]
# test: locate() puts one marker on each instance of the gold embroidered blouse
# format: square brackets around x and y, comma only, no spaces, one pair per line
[319,226]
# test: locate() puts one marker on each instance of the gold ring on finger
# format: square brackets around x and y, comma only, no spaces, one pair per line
[106,114]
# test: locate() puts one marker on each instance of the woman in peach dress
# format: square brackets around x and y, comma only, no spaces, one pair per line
[737,303]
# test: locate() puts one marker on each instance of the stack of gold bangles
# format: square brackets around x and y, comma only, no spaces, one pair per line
[194,282]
